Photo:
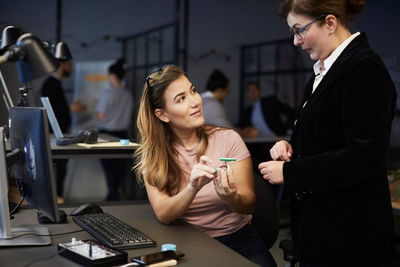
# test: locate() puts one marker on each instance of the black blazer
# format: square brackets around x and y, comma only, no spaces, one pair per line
[277,115]
[341,212]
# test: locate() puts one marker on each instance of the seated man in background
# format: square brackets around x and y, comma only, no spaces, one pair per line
[267,117]
[213,110]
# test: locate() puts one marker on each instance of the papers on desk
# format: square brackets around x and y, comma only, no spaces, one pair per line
[107,145]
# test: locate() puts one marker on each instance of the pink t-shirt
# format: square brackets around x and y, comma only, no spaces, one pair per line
[208,212]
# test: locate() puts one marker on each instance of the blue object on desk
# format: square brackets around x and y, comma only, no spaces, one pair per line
[124,142]
[165,247]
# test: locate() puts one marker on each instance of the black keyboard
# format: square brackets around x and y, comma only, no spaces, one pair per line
[112,232]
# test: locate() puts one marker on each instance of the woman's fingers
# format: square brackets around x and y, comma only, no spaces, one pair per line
[224,183]
[230,179]
[205,170]
[282,150]
[202,168]
[205,160]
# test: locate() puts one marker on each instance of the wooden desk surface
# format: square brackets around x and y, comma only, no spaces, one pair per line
[95,151]
[199,249]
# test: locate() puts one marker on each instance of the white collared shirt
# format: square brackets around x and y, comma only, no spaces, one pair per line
[328,62]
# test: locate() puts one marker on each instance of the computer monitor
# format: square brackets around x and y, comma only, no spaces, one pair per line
[15,236]
[29,133]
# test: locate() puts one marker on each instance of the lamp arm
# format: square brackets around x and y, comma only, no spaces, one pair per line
[13,54]
[6,95]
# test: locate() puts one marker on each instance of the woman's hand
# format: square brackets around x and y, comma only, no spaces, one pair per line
[224,184]
[282,150]
[272,171]
[201,173]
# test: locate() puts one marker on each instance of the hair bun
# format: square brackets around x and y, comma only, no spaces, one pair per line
[354,7]
[118,68]
[120,61]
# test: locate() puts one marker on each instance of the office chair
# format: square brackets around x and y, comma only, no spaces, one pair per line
[266,216]
[289,253]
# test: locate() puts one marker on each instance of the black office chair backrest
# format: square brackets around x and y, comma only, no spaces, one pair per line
[266,216]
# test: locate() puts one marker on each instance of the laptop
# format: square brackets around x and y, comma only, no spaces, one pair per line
[61,139]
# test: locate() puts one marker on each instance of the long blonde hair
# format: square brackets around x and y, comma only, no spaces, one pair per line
[156,156]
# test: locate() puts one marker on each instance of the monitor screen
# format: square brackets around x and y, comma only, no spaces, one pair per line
[34,172]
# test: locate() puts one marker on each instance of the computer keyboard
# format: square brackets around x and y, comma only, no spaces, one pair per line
[112,232]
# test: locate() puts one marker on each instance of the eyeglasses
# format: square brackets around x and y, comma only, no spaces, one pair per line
[297,32]
[155,75]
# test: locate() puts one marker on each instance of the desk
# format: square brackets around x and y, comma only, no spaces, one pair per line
[199,249]
[77,151]
[83,158]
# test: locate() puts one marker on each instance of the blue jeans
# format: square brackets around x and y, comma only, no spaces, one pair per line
[247,243]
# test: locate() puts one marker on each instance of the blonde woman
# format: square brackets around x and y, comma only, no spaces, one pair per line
[184,178]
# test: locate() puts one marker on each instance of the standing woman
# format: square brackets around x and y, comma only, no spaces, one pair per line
[114,113]
[184,178]
[334,167]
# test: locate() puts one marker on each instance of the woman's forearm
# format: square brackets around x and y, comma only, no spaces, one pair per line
[242,203]
[171,208]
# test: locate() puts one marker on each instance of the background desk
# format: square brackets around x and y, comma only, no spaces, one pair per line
[85,180]
[199,249]
[77,151]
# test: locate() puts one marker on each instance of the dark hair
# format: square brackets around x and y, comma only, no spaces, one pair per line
[217,80]
[344,10]
[118,68]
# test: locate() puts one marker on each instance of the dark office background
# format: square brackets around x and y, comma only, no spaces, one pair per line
[215,31]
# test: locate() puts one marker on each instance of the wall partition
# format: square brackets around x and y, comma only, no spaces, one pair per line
[280,68]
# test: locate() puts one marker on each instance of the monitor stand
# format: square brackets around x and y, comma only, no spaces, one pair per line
[26,236]
[32,236]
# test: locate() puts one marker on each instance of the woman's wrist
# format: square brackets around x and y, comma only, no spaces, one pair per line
[192,188]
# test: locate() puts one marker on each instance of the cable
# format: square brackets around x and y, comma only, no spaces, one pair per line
[18,205]
[33,234]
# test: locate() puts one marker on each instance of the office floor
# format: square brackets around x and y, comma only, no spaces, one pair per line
[284,233]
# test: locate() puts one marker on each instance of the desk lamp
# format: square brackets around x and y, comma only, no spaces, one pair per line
[61,51]
[33,61]
[9,37]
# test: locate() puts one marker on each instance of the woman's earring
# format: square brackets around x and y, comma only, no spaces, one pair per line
[331,32]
